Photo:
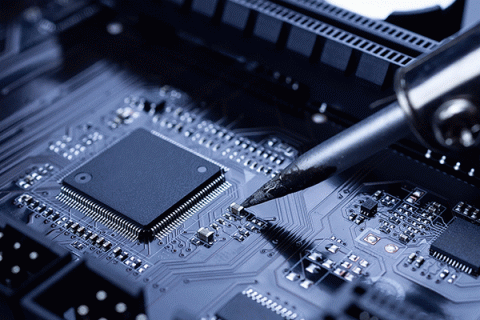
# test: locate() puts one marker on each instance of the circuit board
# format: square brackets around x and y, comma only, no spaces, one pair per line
[284,256]
[119,200]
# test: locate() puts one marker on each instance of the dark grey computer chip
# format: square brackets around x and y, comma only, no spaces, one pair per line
[241,307]
[458,246]
[142,185]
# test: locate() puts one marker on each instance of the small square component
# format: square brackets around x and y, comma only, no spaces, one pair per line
[369,208]
[142,185]
[237,209]
[205,235]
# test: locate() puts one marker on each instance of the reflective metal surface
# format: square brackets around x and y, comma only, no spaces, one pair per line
[440,79]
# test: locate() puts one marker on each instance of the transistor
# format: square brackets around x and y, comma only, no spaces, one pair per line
[369,208]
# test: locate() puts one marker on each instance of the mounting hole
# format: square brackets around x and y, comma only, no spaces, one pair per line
[202,169]
[83,177]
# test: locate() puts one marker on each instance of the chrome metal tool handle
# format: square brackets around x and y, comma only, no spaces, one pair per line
[440,92]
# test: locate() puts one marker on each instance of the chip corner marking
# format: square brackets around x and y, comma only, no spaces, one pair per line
[161,136]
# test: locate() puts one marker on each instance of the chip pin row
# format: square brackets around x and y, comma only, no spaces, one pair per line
[161,230]
[128,229]
[97,212]
[185,210]
[269,304]
[452,262]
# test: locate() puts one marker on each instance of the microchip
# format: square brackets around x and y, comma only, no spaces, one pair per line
[369,208]
[458,246]
[142,186]
[242,307]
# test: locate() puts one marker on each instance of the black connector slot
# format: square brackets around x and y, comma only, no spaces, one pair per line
[21,258]
[25,261]
[84,291]
[381,32]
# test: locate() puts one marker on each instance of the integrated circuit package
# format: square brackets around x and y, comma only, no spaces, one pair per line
[242,307]
[458,246]
[128,186]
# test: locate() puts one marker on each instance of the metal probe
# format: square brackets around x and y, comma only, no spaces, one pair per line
[438,99]
[336,154]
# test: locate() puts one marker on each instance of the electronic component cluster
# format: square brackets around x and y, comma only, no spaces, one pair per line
[122,171]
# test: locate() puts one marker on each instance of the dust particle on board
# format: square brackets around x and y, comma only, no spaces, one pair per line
[128,187]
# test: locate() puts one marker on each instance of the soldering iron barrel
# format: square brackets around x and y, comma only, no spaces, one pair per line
[438,97]
[354,144]
[336,154]
[450,75]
